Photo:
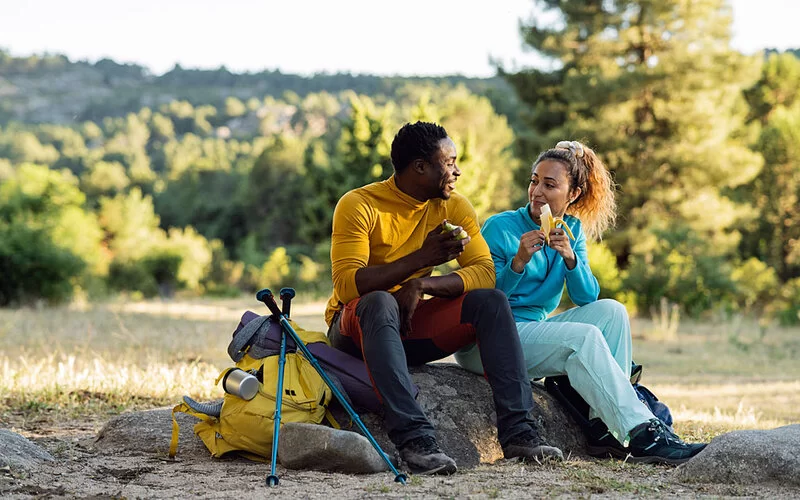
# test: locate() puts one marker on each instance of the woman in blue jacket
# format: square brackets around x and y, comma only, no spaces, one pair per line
[591,343]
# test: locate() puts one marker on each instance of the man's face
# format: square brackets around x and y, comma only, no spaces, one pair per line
[441,171]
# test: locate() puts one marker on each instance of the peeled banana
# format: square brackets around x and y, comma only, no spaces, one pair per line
[549,222]
[448,227]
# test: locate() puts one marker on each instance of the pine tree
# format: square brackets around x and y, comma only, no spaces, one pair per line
[774,235]
[655,88]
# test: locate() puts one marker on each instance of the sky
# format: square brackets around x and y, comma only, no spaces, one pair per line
[407,37]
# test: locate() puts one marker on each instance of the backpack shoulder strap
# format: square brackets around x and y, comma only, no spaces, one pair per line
[183,408]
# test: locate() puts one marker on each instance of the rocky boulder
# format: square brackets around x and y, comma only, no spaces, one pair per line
[748,457]
[17,452]
[458,403]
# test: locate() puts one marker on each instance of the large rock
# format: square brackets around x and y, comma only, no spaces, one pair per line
[149,431]
[16,452]
[318,447]
[458,403]
[748,457]
[460,406]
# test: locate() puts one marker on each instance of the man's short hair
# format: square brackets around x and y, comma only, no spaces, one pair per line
[415,141]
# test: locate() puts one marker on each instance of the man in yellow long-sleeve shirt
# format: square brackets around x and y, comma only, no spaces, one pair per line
[387,238]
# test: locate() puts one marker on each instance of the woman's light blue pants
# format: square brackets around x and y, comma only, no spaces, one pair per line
[590,344]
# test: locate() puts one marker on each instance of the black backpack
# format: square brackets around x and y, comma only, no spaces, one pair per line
[560,388]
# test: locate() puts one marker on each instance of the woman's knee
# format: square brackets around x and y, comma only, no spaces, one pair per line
[613,307]
[593,337]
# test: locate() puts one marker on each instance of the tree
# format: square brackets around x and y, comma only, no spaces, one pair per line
[774,235]
[656,89]
[47,240]
[359,155]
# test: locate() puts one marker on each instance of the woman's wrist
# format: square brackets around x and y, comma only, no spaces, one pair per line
[571,261]
[517,265]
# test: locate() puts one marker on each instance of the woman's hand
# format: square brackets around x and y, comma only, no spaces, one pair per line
[559,241]
[529,243]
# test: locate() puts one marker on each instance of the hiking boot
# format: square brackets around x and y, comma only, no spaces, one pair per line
[424,456]
[600,443]
[653,443]
[531,447]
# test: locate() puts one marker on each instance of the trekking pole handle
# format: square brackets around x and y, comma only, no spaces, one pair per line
[287,294]
[265,296]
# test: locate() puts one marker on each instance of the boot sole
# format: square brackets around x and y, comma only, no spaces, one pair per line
[443,470]
[540,453]
[605,452]
[657,460]
[609,452]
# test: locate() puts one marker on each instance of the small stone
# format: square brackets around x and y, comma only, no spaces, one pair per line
[17,452]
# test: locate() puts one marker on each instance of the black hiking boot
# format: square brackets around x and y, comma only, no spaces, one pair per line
[653,443]
[424,456]
[531,447]
[600,443]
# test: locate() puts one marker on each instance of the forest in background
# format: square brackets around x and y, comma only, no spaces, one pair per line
[114,180]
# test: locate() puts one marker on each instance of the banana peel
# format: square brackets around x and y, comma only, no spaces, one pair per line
[448,227]
[549,222]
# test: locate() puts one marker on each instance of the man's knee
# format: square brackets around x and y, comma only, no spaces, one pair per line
[378,308]
[489,299]
[377,301]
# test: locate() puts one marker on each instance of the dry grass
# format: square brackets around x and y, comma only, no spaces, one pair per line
[95,359]
[68,370]
[103,358]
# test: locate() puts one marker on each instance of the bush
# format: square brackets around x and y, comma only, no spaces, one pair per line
[756,285]
[684,269]
[154,274]
[787,307]
[33,267]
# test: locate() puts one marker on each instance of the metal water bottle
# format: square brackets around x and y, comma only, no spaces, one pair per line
[240,383]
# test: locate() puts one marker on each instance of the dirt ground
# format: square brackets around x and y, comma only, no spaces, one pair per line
[80,471]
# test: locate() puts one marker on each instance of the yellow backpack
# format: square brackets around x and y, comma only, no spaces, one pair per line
[246,426]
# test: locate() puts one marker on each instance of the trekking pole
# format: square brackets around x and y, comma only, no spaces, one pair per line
[268,299]
[272,479]
[287,294]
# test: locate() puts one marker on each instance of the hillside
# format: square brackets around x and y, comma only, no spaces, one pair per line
[53,89]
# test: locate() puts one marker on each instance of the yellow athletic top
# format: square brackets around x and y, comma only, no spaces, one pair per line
[378,224]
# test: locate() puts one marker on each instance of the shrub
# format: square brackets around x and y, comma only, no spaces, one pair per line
[33,267]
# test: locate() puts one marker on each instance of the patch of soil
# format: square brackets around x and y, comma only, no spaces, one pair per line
[81,471]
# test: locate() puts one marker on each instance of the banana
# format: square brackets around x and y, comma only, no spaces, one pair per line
[549,222]
[447,226]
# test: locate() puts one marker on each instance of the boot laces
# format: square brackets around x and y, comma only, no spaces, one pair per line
[662,432]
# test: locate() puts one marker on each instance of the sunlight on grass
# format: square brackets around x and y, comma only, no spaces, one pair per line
[59,378]
[715,377]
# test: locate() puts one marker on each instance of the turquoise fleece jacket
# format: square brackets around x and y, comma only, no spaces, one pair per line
[536,292]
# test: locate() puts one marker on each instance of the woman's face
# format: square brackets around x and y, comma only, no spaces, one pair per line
[550,184]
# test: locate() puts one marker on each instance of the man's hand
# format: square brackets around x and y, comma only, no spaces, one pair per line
[559,241]
[407,298]
[440,247]
[529,243]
